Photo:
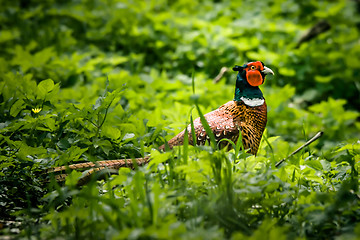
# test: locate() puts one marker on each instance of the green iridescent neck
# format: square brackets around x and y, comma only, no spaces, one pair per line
[245,90]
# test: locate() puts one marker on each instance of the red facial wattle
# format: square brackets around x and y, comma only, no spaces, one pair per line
[254,78]
[253,74]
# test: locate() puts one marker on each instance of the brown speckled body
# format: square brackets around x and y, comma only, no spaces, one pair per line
[226,121]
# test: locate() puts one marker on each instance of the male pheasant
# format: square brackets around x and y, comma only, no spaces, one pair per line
[246,113]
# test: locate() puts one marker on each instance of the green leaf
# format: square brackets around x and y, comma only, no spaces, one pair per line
[44,87]
[111,132]
[193,135]
[105,145]
[207,128]
[323,79]
[50,123]
[122,177]
[315,164]
[287,72]
[17,107]
[351,147]
[157,158]
[116,60]
[73,178]
[72,154]
[26,151]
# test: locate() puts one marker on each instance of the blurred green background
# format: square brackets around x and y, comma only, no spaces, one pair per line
[72,40]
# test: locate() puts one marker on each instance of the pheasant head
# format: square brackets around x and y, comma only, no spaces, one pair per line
[251,75]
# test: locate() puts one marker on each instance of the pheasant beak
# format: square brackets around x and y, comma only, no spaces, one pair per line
[267,71]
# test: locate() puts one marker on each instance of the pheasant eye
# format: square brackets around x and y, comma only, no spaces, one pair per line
[252,67]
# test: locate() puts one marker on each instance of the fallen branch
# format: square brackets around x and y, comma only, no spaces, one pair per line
[319,134]
[317,29]
[223,70]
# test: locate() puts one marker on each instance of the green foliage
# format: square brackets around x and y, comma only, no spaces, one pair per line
[94,80]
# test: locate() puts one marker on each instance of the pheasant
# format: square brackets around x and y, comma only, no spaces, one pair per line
[246,113]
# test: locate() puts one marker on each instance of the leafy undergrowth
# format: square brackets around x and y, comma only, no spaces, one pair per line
[209,196]
[189,193]
[109,80]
